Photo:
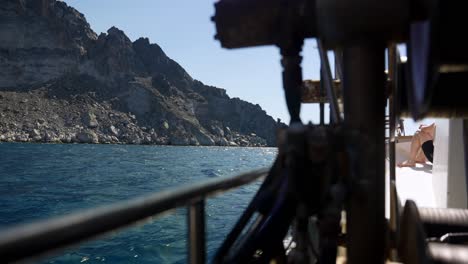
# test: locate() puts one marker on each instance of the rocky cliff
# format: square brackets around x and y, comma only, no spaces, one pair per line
[61,82]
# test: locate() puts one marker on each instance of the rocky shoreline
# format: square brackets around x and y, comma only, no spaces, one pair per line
[33,117]
[90,137]
[87,136]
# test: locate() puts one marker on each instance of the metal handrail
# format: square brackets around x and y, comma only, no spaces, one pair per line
[33,240]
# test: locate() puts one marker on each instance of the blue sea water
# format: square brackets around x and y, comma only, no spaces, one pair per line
[38,181]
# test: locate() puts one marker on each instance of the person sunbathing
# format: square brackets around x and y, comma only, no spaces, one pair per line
[422,146]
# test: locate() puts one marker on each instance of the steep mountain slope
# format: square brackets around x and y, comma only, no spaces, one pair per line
[59,81]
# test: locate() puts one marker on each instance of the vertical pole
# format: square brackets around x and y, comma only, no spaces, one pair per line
[322,92]
[392,77]
[196,232]
[334,111]
[465,149]
[338,65]
[364,104]
[392,61]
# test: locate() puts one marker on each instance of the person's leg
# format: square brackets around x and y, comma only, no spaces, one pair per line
[416,154]
[420,157]
[415,147]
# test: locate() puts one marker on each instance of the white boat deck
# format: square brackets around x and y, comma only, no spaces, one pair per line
[414,183]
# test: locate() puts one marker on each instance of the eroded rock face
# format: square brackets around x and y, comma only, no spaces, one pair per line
[60,82]
[40,40]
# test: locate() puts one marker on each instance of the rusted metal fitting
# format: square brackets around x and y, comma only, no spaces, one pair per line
[248,23]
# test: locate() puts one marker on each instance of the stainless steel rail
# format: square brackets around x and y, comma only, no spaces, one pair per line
[36,239]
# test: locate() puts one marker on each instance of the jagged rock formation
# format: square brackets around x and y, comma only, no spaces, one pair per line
[60,82]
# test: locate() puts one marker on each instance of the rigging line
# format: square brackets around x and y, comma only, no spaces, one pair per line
[335,114]
[338,65]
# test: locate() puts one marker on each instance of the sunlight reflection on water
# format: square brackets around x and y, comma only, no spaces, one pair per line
[42,180]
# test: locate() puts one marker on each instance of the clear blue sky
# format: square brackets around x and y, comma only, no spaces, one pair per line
[185,32]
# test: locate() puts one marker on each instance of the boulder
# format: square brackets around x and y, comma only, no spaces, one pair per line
[243,142]
[89,120]
[51,137]
[134,139]
[21,138]
[163,141]
[35,134]
[147,140]
[203,138]
[41,121]
[194,142]
[87,136]
[217,131]
[222,142]
[114,131]
[114,140]
[154,136]
[67,138]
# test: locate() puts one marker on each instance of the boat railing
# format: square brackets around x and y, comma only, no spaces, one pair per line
[37,239]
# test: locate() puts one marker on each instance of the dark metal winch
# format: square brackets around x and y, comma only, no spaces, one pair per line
[362,33]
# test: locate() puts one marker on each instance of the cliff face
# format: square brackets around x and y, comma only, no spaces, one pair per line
[59,81]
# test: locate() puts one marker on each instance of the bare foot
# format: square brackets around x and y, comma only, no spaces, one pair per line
[407,163]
